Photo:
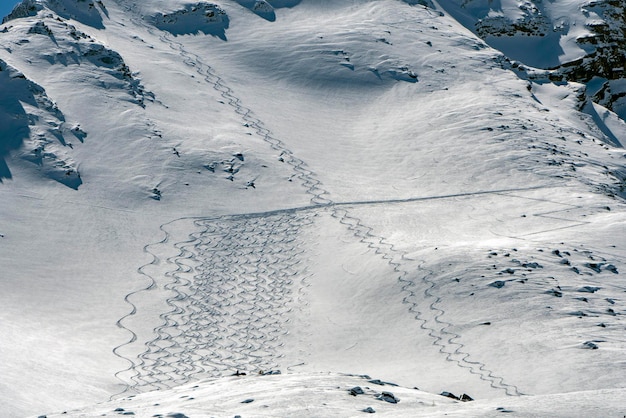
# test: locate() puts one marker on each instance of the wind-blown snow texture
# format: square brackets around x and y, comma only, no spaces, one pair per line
[192,190]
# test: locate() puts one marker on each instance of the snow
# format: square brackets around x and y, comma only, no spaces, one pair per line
[314,187]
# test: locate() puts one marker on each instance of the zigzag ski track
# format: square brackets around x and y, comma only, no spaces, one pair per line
[235,279]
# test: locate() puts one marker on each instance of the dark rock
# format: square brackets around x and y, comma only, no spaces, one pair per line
[449,395]
[466,398]
[589,289]
[269,372]
[356,391]
[532,265]
[369,410]
[597,267]
[248,401]
[503,410]
[497,284]
[611,268]
[381,383]
[590,345]
[388,397]
[555,293]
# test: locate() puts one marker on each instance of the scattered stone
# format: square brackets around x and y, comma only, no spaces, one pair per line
[449,395]
[381,383]
[369,410]
[611,312]
[565,261]
[575,270]
[248,401]
[590,345]
[388,397]
[611,301]
[503,410]
[485,323]
[508,270]
[466,398]
[269,372]
[532,265]
[356,391]
[555,293]
[611,268]
[118,410]
[597,267]
[602,325]
[497,284]
[588,289]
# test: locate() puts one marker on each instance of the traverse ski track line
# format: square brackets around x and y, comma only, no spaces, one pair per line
[232,282]
[547,215]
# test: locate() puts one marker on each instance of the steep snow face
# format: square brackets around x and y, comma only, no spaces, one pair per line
[310,186]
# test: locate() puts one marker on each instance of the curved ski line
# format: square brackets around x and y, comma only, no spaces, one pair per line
[120,322]
[445,344]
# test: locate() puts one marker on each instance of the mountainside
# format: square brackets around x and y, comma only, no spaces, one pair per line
[578,41]
[192,190]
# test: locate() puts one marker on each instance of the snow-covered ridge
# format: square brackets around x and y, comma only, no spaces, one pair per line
[200,17]
[85,11]
[333,394]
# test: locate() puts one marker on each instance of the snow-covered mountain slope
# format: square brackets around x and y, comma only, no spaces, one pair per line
[307,186]
[579,41]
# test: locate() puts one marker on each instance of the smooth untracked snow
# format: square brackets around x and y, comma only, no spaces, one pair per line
[360,187]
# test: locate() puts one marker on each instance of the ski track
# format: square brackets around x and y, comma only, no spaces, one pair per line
[232,282]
